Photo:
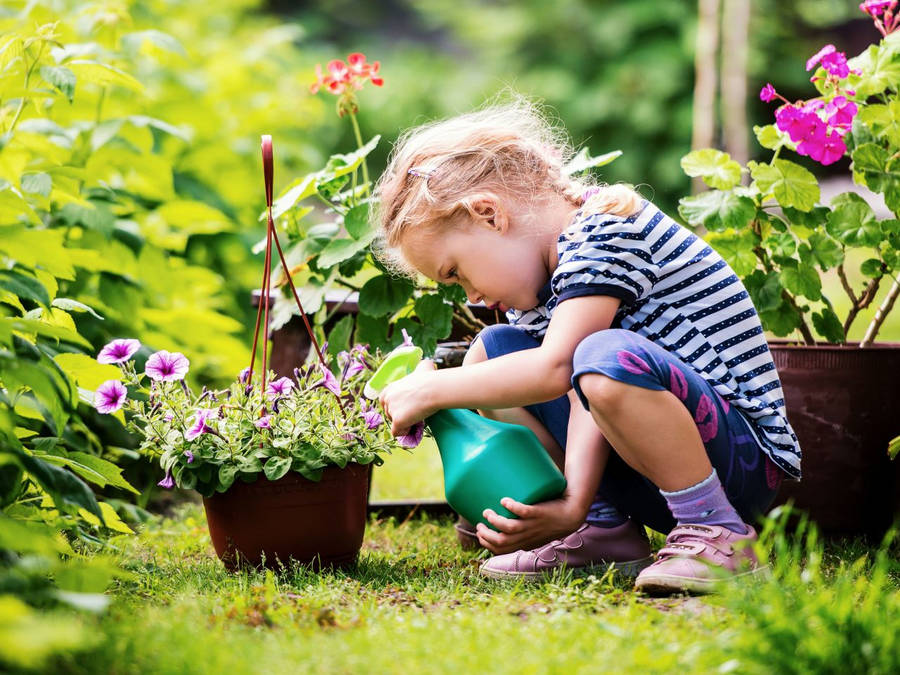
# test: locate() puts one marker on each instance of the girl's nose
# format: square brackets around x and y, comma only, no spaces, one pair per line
[473,297]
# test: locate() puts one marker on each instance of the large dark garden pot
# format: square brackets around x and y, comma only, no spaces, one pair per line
[843,404]
[316,523]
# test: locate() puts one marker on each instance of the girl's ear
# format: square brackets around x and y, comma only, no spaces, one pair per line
[485,209]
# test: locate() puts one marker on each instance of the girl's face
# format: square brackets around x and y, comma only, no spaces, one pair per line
[494,263]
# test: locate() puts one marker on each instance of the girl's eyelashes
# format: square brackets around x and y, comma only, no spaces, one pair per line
[451,273]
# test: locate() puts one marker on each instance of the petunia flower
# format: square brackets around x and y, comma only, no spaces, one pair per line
[244,375]
[199,423]
[407,341]
[168,482]
[413,437]
[110,396]
[164,365]
[354,368]
[264,422]
[329,381]
[118,351]
[189,455]
[372,417]
[280,387]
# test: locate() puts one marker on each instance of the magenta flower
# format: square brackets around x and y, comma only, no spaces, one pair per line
[825,148]
[414,437]
[167,482]
[875,8]
[264,422]
[280,387]
[118,351]
[372,417]
[768,93]
[199,423]
[163,365]
[110,396]
[840,113]
[189,455]
[798,123]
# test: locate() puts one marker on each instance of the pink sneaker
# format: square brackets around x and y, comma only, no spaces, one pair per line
[697,558]
[624,546]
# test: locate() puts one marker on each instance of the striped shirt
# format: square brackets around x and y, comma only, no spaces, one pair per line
[678,292]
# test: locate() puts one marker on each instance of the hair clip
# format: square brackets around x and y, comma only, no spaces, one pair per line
[421,173]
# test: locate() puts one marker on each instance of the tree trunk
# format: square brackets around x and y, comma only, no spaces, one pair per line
[704,117]
[735,30]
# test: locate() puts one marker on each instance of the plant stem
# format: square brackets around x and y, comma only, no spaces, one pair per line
[808,338]
[24,99]
[360,143]
[881,314]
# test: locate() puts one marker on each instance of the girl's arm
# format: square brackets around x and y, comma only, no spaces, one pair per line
[586,455]
[509,381]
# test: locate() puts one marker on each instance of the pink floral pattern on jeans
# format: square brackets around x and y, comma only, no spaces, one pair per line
[706,418]
[678,383]
[633,363]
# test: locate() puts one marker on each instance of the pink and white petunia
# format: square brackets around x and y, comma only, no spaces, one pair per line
[164,365]
[118,351]
[199,425]
[110,396]
[264,422]
[280,387]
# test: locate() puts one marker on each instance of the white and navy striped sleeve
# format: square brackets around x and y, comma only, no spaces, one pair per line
[603,254]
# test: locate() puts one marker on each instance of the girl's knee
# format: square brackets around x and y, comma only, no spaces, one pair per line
[499,339]
[603,393]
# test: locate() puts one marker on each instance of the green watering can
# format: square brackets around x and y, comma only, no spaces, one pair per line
[484,460]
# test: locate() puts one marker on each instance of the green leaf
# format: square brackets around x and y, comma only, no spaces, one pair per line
[883,120]
[872,268]
[717,210]
[825,251]
[69,493]
[227,474]
[765,290]
[716,168]
[384,295]
[103,74]
[737,250]
[852,221]
[790,183]
[810,219]
[92,468]
[24,286]
[781,244]
[371,330]
[870,162]
[828,325]
[880,67]
[802,280]
[276,467]
[435,314]
[70,305]
[339,336]
[340,165]
[357,221]
[583,161]
[769,136]
[37,183]
[339,250]
[781,321]
[60,77]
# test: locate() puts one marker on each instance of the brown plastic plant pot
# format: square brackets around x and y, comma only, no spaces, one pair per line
[842,403]
[320,524]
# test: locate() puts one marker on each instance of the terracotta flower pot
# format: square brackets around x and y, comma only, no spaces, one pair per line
[316,523]
[842,402]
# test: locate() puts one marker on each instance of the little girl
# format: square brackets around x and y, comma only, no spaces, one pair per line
[631,346]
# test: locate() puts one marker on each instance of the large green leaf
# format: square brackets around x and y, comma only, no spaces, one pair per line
[583,161]
[276,467]
[339,250]
[715,167]
[435,314]
[717,210]
[92,468]
[69,493]
[803,280]
[790,183]
[60,77]
[737,250]
[25,286]
[852,221]
[384,295]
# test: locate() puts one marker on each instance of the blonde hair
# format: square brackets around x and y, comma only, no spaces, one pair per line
[506,149]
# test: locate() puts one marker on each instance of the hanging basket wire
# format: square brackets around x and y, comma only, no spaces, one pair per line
[262,311]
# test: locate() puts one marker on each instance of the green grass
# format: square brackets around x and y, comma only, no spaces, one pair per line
[415,603]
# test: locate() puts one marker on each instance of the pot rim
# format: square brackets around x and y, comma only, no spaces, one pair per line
[851,346]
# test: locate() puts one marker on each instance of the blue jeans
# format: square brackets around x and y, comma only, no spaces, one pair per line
[749,478]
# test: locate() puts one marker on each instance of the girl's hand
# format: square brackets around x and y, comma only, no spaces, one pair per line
[537,524]
[406,401]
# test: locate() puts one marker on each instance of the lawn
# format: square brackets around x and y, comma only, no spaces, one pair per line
[416,603]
